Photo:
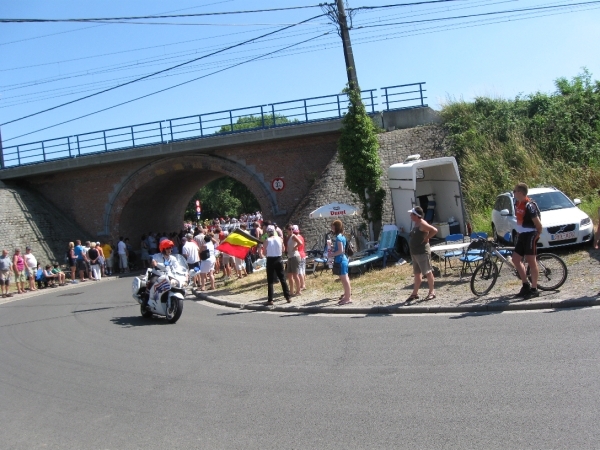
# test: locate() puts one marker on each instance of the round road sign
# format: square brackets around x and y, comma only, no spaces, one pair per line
[278,184]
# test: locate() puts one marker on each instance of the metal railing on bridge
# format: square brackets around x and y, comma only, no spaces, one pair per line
[289,113]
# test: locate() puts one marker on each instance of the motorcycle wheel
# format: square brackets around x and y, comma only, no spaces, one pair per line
[174,313]
[145,313]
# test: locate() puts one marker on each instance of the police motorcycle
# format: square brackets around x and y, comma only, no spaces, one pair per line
[161,289]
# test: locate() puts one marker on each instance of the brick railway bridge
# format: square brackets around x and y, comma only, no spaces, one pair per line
[132,191]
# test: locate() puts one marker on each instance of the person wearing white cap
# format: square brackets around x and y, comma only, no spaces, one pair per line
[420,252]
[273,251]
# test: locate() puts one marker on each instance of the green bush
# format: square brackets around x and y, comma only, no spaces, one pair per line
[540,139]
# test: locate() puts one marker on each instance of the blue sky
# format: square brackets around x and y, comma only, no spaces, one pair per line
[46,64]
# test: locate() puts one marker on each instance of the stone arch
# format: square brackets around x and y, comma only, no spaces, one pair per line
[154,197]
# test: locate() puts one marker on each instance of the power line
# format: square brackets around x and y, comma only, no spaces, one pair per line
[159,72]
[94,26]
[168,88]
[161,16]
[479,14]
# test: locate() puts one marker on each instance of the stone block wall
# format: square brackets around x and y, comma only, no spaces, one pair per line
[429,141]
[27,219]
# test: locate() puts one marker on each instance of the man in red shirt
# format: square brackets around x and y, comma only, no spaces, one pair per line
[529,228]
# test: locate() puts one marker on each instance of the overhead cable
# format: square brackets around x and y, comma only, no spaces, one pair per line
[538,8]
[170,87]
[160,71]
[161,16]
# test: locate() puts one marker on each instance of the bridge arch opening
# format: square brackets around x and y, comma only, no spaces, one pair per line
[156,197]
[222,197]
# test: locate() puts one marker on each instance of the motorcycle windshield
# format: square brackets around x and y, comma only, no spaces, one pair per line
[180,267]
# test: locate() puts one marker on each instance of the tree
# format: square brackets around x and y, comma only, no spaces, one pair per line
[358,151]
[254,122]
[222,197]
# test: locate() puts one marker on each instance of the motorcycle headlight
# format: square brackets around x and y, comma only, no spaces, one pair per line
[174,283]
[585,221]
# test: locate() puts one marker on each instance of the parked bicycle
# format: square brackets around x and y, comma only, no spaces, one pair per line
[552,269]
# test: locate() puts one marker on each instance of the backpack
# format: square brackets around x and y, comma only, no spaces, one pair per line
[349,249]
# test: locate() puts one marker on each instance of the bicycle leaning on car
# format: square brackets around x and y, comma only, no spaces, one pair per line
[552,269]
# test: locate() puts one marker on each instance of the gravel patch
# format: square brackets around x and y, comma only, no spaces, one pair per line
[390,287]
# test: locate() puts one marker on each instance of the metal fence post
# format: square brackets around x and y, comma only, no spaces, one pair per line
[105,146]
[421,92]
[171,128]
[200,123]
[161,133]
[273,112]
[18,156]
[339,106]
[43,151]
[387,103]
[78,149]
[132,138]
[69,145]
[372,103]
[305,112]
[262,116]
[231,120]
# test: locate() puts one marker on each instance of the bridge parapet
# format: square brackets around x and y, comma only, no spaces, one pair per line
[261,117]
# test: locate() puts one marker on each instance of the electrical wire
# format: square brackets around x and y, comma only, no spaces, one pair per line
[158,72]
[162,16]
[102,25]
[479,14]
[168,88]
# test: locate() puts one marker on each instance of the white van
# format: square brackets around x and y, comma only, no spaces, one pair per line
[432,184]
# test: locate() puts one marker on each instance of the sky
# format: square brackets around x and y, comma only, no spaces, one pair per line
[46,64]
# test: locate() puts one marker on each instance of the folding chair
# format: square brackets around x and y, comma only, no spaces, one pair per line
[385,248]
[452,253]
[471,257]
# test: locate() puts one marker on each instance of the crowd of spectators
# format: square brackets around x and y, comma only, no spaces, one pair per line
[27,272]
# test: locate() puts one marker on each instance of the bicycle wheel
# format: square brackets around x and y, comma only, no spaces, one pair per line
[484,278]
[552,272]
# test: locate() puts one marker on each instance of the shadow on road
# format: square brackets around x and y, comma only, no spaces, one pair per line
[138,321]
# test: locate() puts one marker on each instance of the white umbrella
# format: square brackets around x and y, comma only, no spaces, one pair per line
[334,210]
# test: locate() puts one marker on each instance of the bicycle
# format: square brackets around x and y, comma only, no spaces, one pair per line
[552,269]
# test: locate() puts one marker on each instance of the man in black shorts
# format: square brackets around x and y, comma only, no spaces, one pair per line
[529,227]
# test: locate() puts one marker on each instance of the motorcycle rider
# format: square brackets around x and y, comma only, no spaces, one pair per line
[165,258]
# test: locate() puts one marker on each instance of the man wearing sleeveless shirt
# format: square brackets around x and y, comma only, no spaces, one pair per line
[420,252]
[529,228]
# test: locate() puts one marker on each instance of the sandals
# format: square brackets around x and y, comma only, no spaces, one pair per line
[412,297]
[344,302]
[430,297]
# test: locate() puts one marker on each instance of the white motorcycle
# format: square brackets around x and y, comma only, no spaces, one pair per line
[166,294]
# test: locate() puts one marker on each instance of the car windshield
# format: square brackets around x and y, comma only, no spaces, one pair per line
[549,201]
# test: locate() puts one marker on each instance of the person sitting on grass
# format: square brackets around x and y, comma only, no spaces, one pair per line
[60,274]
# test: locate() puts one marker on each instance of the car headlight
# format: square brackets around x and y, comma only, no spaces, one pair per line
[174,283]
[585,221]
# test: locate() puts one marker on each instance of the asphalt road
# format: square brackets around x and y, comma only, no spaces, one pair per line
[80,369]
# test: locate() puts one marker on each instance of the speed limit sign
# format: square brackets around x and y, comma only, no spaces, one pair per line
[277,184]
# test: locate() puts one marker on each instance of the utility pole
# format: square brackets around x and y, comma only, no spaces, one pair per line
[337,14]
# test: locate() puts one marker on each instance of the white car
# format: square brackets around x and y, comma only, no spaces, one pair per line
[562,221]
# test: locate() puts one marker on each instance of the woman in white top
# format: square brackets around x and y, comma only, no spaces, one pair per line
[293,262]
[207,266]
[273,248]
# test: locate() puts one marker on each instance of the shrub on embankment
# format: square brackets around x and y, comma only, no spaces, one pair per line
[540,139]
